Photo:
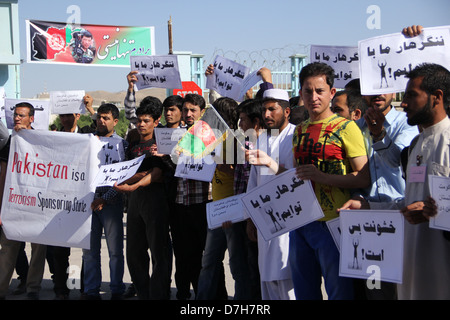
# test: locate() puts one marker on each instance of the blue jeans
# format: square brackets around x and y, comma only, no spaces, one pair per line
[313,254]
[110,218]
[217,242]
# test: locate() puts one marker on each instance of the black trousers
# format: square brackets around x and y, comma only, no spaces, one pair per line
[188,229]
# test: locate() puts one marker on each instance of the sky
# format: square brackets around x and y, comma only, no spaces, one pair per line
[205,26]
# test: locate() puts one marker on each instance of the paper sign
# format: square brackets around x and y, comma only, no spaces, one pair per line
[156,72]
[41,112]
[228,209]
[167,138]
[372,244]
[112,150]
[228,78]
[344,61]
[440,191]
[117,172]
[67,102]
[248,83]
[334,226]
[282,204]
[196,169]
[385,60]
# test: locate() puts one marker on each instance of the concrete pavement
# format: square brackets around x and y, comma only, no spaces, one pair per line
[74,275]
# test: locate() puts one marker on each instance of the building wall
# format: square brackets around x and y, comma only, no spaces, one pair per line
[10,48]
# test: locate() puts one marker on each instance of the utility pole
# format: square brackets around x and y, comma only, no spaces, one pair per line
[170,36]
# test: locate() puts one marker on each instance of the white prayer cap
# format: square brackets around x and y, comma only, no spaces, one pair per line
[276,94]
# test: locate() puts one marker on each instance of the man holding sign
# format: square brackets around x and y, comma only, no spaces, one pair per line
[23,118]
[329,150]
[147,216]
[426,253]
[107,214]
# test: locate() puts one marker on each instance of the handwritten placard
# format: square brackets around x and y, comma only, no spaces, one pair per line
[281,205]
[385,60]
[344,60]
[167,138]
[112,150]
[195,169]
[440,191]
[66,102]
[372,241]
[220,211]
[117,172]
[228,77]
[156,72]
[41,112]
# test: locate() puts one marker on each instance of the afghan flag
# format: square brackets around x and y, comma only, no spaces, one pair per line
[47,40]
[204,135]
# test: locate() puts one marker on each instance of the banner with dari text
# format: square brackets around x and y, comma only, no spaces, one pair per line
[56,42]
[48,194]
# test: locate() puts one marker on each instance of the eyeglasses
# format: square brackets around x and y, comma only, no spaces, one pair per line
[21,116]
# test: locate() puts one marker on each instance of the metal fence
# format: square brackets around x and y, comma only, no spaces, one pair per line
[285,63]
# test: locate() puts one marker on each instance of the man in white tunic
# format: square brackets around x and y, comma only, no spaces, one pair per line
[426,271]
[275,274]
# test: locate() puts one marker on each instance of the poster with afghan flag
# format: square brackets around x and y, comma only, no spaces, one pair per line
[100,45]
[204,135]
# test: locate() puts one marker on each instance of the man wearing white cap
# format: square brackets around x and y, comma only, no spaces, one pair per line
[275,274]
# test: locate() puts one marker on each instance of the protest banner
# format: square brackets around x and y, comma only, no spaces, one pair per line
[372,242]
[227,209]
[385,60]
[156,72]
[283,204]
[228,78]
[67,102]
[440,191]
[344,60]
[195,169]
[167,138]
[118,172]
[48,194]
[98,45]
[41,112]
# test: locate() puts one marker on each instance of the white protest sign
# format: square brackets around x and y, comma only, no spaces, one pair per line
[282,204]
[112,150]
[385,60]
[440,191]
[48,193]
[344,60]
[228,209]
[156,72]
[117,172]
[228,78]
[248,83]
[334,226]
[41,112]
[372,245]
[195,169]
[67,102]
[167,138]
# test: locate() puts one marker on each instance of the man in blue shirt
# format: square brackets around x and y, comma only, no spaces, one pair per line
[386,134]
